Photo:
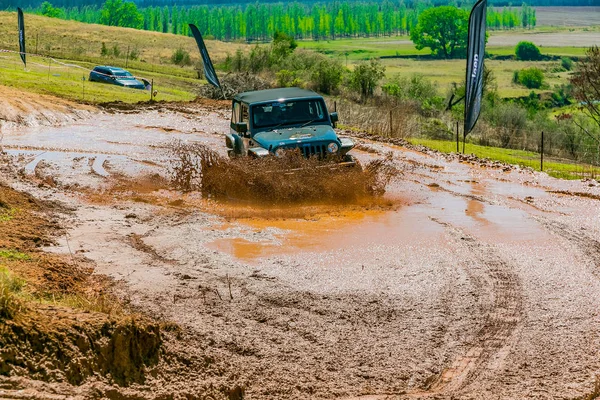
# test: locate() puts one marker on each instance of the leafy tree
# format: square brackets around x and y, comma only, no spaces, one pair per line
[586,85]
[50,11]
[443,29]
[119,13]
[365,77]
[283,45]
[527,51]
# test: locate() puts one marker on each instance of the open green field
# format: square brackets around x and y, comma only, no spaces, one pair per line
[400,56]
[556,168]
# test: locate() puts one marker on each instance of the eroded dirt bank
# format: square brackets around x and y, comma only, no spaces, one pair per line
[477,283]
[18,108]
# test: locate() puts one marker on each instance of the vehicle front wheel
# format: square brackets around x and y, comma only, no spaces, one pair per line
[352,159]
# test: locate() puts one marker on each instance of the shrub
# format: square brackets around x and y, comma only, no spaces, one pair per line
[181,57]
[327,75]
[509,119]
[134,54]
[115,50]
[10,287]
[566,63]
[286,78]
[417,87]
[527,51]
[366,76]
[531,78]
[235,63]
[104,50]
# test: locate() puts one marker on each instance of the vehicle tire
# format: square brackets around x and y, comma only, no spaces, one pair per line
[351,158]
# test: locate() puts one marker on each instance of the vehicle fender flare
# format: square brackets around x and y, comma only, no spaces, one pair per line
[235,142]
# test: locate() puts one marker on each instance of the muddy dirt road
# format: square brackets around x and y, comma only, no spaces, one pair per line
[476,284]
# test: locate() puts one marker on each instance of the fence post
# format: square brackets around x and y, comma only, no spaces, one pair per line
[49,62]
[335,106]
[83,87]
[542,153]
[457,140]
[391,125]
[152,90]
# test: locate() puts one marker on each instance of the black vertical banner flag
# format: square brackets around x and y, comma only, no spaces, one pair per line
[209,70]
[475,54]
[22,36]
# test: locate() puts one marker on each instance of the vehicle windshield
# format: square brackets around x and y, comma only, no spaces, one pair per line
[123,75]
[291,112]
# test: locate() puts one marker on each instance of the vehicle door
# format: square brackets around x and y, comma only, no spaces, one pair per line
[106,75]
[236,114]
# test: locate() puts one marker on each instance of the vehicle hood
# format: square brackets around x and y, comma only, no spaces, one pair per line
[130,82]
[287,136]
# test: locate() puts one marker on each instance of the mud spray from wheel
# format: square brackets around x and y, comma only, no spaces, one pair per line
[285,180]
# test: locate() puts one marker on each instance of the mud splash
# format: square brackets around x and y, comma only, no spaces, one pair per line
[289,179]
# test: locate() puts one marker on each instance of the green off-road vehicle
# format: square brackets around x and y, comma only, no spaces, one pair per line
[270,122]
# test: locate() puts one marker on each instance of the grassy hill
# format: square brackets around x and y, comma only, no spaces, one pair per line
[79,41]
[78,47]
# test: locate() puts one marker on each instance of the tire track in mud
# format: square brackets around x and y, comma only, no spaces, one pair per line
[501,301]
[589,246]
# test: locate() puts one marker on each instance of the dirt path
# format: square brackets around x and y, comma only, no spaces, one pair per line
[477,284]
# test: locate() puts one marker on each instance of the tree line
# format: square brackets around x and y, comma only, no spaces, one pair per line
[10,4]
[260,21]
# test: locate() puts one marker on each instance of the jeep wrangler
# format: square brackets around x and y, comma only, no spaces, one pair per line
[270,122]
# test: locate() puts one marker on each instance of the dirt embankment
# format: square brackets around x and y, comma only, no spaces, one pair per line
[18,108]
[58,322]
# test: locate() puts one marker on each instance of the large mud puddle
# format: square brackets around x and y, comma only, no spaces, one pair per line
[474,207]
[107,144]
[430,194]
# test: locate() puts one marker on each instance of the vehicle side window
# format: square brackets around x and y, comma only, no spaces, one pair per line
[244,116]
[235,113]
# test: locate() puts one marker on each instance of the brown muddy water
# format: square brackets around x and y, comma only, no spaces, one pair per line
[462,282]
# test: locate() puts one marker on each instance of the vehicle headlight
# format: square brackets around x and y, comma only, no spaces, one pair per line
[332,147]
[279,152]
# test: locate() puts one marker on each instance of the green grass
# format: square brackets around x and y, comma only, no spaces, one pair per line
[11,287]
[67,82]
[556,168]
[13,255]
[6,214]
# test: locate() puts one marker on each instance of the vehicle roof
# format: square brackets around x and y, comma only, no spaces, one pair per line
[260,96]
[113,69]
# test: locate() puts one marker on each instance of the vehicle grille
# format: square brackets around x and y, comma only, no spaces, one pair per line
[314,150]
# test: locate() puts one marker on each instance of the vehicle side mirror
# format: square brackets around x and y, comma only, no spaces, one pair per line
[240,127]
[334,117]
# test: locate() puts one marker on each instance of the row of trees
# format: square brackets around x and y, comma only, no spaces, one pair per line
[260,21]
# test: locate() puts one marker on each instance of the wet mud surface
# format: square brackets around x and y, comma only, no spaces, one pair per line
[470,283]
